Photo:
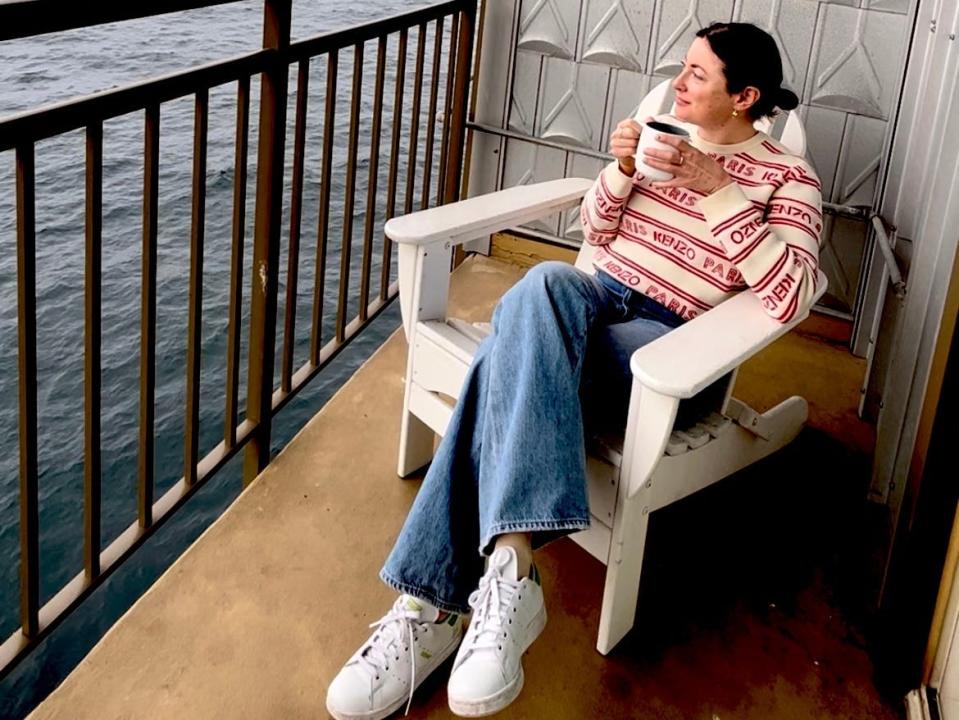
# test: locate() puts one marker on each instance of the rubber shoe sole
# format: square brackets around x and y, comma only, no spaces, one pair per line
[437,660]
[497,701]
[492,704]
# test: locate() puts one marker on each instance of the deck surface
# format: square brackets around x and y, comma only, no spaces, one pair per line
[755,592]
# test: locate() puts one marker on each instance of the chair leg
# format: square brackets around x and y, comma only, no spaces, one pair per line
[416,444]
[622,575]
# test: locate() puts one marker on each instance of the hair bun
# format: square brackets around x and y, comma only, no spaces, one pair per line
[786,99]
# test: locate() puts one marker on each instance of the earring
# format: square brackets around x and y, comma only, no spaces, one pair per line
[735,113]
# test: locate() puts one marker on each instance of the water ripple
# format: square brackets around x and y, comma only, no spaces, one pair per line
[57,67]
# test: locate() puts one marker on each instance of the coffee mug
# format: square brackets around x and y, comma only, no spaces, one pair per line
[647,139]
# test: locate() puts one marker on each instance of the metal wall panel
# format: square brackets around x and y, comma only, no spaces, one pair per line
[856,60]
[616,33]
[496,63]
[492,106]
[674,29]
[859,160]
[572,96]
[523,101]
[626,89]
[577,67]
[793,24]
[527,163]
[854,183]
[895,6]
[550,27]
[826,129]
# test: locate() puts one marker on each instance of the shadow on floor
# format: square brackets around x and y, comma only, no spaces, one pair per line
[768,575]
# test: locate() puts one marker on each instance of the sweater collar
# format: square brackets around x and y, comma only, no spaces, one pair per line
[707,147]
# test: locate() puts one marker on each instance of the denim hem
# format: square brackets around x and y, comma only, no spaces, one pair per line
[421,593]
[517,526]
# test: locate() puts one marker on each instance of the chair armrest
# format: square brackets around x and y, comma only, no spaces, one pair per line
[482,215]
[691,357]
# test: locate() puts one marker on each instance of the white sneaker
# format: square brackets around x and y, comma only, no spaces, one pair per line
[508,615]
[407,646]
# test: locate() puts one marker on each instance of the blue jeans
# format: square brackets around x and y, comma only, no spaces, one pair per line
[512,459]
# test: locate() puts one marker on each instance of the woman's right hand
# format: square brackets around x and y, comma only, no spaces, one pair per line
[623,143]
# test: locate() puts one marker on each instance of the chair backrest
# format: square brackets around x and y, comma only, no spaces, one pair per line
[786,127]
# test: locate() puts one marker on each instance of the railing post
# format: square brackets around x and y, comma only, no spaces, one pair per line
[27,354]
[457,127]
[266,235]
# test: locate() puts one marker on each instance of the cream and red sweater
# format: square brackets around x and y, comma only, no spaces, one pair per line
[690,251]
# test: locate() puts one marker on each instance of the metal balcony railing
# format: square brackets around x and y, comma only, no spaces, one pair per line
[20,133]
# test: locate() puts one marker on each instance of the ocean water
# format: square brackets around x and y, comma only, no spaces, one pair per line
[53,68]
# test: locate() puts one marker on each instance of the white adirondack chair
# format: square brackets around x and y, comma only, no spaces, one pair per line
[655,463]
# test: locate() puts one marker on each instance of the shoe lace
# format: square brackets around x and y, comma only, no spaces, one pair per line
[398,626]
[491,604]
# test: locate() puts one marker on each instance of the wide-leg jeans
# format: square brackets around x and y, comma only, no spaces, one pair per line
[512,459]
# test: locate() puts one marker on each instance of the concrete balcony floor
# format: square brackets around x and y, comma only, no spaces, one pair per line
[755,600]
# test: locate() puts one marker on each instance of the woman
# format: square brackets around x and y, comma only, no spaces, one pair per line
[740,212]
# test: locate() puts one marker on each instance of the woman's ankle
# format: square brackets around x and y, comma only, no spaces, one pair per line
[522,543]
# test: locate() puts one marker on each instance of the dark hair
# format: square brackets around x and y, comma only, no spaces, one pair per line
[750,57]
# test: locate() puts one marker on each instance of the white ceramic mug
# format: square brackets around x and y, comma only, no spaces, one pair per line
[647,139]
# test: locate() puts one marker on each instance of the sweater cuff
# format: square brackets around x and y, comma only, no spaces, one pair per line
[618,184]
[723,204]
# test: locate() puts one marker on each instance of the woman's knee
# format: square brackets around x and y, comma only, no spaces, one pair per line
[552,271]
[548,279]
[547,285]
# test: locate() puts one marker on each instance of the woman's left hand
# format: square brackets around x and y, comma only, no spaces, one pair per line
[689,167]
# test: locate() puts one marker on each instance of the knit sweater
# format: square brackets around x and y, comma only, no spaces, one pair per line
[691,251]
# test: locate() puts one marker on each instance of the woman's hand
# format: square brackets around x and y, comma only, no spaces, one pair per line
[623,142]
[689,167]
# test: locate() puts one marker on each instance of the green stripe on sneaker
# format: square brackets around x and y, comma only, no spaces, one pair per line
[412,604]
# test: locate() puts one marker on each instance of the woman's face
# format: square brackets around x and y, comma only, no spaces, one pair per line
[701,96]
